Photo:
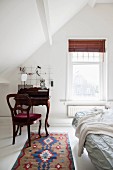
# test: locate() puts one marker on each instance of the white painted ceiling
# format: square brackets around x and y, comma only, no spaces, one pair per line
[26,24]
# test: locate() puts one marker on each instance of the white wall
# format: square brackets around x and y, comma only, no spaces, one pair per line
[94,22]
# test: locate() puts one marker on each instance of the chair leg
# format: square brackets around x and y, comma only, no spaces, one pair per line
[29,139]
[46,128]
[40,124]
[17,129]
[20,131]
[14,126]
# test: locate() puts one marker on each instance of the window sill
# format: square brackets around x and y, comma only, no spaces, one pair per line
[82,102]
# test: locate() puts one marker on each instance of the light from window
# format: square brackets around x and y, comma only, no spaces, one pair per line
[85,74]
[85,84]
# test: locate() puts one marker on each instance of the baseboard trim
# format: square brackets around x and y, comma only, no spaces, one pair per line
[52,121]
[60,122]
[5,120]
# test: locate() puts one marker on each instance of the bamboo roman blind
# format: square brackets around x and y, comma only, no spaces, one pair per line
[86,45]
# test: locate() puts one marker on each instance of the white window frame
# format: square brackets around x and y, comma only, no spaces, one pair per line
[103,77]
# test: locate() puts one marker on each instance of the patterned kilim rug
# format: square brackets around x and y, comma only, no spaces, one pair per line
[46,153]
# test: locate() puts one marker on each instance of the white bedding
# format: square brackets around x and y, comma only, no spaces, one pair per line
[97,122]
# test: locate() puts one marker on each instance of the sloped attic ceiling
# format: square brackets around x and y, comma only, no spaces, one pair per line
[26,24]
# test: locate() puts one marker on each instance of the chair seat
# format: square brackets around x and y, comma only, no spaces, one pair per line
[22,117]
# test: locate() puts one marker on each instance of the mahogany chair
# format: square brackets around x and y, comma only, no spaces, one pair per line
[20,105]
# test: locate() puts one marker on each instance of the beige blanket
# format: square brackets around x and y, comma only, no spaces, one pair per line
[99,123]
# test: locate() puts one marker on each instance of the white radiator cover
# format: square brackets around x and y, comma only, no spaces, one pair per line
[72,109]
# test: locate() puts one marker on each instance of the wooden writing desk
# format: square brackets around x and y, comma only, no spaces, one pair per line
[38,97]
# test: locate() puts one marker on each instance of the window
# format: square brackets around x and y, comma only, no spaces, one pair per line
[86,70]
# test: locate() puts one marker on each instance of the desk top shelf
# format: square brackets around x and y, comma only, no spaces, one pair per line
[35,92]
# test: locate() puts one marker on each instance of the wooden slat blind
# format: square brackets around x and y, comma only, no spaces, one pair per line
[86,45]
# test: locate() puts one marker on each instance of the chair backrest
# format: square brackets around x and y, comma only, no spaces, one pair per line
[18,103]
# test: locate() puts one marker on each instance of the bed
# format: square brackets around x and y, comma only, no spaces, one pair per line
[94,128]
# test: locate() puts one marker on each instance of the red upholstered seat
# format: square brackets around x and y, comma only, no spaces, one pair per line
[21,116]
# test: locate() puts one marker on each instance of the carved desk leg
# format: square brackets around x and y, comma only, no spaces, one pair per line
[46,119]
